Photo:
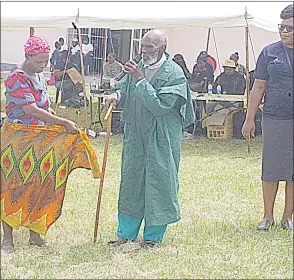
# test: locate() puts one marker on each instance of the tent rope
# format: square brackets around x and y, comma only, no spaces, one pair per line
[217,55]
[110,39]
[250,38]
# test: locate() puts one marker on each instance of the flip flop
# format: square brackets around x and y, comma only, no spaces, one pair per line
[41,243]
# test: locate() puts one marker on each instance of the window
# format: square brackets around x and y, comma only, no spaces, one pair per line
[137,35]
[97,37]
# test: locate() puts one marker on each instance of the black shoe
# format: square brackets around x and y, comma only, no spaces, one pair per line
[118,242]
[148,244]
[265,224]
[287,225]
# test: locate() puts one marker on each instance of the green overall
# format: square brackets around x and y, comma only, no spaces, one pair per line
[154,113]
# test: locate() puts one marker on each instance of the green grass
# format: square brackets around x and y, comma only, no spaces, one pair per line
[221,204]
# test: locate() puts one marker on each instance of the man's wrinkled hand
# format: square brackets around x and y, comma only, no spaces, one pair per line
[111,99]
[134,70]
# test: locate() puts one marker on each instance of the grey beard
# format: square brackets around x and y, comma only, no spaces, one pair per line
[149,60]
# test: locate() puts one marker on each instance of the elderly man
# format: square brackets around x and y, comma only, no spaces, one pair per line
[157,107]
[111,68]
[231,81]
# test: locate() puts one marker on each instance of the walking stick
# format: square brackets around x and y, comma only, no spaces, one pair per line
[108,117]
[249,144]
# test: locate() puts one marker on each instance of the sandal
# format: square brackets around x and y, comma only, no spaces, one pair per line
[266,224]
[39,243]
[287,225]
[7,247]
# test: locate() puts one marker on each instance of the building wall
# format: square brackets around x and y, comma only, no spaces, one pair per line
[12,42]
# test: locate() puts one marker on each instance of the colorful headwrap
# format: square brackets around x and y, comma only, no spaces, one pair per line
[36,45]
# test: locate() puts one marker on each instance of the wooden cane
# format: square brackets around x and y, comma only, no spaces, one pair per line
[108,117]
[249,144]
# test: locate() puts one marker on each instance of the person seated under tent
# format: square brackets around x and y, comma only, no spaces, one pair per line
[202,74]
[68,82]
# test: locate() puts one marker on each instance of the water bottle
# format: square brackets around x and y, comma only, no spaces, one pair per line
[218,90]
[209,88]
[94,84]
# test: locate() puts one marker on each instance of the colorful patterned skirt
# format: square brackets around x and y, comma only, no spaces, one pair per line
[35,164]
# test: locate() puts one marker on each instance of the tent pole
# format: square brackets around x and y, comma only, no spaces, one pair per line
[32,31]
[79,30]
[247,58]
[104,54]
[247,72]
[208,38]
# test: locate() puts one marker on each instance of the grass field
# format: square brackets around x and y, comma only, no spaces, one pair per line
[221,204]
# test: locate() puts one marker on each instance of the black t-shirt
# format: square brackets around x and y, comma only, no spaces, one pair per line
[272,66]
[61,65]
[290,53]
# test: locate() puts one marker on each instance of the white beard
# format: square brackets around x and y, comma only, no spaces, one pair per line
[149,59]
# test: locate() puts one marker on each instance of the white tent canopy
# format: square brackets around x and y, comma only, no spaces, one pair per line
[123,23]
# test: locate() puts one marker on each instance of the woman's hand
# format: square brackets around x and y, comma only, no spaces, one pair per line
[248,129]
[70,127]
[50,110]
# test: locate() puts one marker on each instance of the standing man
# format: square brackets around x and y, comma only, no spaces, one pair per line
[75,58]
[63,46]
[157,106]
[88,54]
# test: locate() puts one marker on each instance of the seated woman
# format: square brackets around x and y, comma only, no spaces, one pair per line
[179,59]
[202,74]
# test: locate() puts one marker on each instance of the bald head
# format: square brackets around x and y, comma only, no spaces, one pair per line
[153,46]
[156,36]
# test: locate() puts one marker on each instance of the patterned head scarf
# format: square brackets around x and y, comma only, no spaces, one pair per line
[35,45]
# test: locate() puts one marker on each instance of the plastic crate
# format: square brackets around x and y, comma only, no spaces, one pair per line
[224,131]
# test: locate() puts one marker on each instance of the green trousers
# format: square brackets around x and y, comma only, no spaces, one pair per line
[128,228]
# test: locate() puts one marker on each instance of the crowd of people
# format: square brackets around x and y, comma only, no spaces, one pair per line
[231,80]
[65,63]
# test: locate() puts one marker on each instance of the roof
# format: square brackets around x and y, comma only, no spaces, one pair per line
[124,23]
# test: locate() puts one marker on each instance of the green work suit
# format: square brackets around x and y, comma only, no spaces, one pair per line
[154,115]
